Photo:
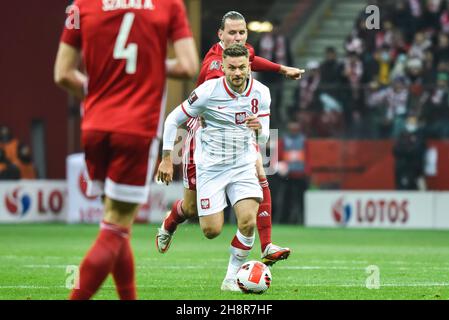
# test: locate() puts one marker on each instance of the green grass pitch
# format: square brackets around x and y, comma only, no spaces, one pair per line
[324,264]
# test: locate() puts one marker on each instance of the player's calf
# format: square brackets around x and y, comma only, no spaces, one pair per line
[189,209]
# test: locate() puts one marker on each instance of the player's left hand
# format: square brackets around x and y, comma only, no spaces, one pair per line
[292,73]
[253,123]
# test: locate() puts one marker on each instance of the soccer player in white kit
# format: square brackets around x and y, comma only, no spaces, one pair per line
[236,111]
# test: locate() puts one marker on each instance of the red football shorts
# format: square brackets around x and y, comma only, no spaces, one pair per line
[188,163]
[119,165]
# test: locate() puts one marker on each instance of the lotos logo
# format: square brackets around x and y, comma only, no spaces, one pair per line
[371,211]
[341,211]
[18,203]
[82,183]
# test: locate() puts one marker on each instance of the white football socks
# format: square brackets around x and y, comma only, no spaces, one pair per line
[239,256]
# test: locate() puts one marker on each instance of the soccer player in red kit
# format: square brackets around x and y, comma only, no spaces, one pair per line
[123,45]
[232,30]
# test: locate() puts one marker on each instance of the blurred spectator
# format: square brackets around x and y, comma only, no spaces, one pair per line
[442,48]
[435,111]
[352,74]
[394,101]
[24,162]
[293,167]
[415,77]
[308,87]
[402,17]
[409,152]
[383,59]
[8,171]
[399,68]
[385,36]
[354,44]
[416,10]
[431,16]
[419,45]
[444,20]
[429,68]
[331,71]
[8,143]
[307,97]
[274,46]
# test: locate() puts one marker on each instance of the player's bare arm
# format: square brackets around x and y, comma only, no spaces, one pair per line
[165,170]
[173,121]
[291,72]
[66,72]
[186,63]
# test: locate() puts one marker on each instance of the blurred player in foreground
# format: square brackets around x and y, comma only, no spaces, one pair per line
[232,30]
[236,110]
[124,50]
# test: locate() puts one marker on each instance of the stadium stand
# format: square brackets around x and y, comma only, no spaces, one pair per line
[385,76]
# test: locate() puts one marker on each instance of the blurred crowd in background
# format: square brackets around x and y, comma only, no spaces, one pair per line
[390,80]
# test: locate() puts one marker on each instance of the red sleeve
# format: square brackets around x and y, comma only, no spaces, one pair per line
[71,33]
[261,64]
[214,73]
[251,52]
[179,25]
[210,69]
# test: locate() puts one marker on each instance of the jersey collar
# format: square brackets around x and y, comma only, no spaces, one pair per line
[234,94]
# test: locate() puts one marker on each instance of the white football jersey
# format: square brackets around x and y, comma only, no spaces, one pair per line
[225,139]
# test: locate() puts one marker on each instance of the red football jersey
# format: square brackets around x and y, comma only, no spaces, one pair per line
[124,47]
[211,66]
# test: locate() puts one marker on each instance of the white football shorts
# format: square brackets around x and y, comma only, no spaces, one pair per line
[213,186]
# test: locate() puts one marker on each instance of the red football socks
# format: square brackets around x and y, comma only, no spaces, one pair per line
[102,258]
[123,273]
[175,217]
[264,216]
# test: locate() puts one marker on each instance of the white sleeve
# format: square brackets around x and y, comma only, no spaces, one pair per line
[190,108]
[173,121]
[264,117]
[264,133]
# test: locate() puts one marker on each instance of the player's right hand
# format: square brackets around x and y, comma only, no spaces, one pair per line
[291,72]
[165,171]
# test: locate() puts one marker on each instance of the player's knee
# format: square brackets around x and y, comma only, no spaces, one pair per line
[211,232]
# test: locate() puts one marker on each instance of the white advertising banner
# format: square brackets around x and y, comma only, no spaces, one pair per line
[82,208]
[32,201]
[370,209]
[441,210]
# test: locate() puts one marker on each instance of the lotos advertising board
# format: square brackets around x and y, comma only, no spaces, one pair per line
[32,201]
[362,209]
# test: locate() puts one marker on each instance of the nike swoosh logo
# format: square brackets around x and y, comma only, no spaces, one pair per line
[219,108]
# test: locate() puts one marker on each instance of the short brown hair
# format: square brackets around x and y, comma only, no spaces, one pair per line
[236,50]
